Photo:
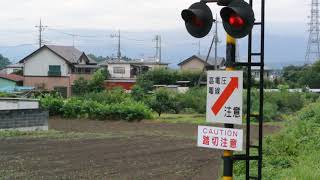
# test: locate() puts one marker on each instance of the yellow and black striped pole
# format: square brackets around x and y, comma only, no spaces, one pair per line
[230,62]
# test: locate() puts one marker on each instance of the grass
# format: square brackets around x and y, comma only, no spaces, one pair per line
[182,118]
[52,134]
[200,119]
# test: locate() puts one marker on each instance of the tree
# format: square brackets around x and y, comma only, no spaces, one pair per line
[98,58]
[4,62]
[96,84]
[161,101]
[80,87]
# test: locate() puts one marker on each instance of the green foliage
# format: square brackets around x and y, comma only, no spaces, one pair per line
[96,84]
[196,99]
[138,93]
[160,102]
[98,58]
[278,104]
[53,104]
[80,87]
[107,105]
[292,153]
[4,61]
[302,76]
[163,76]
[113,96]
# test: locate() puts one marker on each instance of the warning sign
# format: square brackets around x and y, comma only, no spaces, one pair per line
[224,100]
[220,138]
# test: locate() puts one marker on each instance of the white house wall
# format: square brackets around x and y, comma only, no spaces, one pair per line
[127,73]
[38,64]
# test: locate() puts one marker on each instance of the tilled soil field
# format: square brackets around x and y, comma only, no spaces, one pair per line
[145,150]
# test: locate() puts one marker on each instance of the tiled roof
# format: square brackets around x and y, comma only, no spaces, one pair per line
[12,77]
[68,53]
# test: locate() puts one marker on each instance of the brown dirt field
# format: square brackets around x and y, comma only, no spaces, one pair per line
[145,150]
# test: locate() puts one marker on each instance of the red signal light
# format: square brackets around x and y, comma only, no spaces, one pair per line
[236,21]
[197,22]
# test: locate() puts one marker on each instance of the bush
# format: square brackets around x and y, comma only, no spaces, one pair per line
[116,95]
[161,102]
[53,104]
[292,153]
[196,99]
[93,109]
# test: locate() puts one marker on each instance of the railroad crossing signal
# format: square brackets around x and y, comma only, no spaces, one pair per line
[198,19]
[237,17]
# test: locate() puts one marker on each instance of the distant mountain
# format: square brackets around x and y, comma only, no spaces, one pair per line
[177,45]
[16,53]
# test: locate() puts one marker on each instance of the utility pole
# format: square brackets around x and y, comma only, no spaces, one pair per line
[119,43]
[158,47]
[41,28]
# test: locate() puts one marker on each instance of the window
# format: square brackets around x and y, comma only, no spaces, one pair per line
[54,70]
[88,70]
[119,70]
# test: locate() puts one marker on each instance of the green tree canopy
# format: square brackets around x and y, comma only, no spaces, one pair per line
[4,61]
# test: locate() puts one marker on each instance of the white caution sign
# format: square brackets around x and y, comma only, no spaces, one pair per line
[220,138]
[224,100]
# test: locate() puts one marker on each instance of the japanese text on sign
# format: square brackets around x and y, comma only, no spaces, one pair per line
[224,100]
[220,138]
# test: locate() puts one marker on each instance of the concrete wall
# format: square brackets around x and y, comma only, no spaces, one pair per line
[13,104]
[28,120]
[38,64]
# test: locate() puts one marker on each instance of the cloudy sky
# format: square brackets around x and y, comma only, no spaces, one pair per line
[285,18]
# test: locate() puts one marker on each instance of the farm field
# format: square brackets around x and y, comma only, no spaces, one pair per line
[82,149]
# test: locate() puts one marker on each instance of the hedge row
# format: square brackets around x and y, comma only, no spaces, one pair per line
[81,108]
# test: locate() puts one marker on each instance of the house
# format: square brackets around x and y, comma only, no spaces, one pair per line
[197,63]
[130,69]
[269,73]
[13,68]
[10,81]
[56,68]
[124,73]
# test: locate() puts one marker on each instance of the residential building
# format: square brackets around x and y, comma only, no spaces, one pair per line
[269,73]
[120,69]
[124,73]
[12,68]
[10,81]
[56,68]
[198,63]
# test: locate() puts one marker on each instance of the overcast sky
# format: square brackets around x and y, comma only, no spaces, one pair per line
[125,14]
[284,18]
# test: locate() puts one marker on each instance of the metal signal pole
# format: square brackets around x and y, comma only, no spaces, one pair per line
[230,63]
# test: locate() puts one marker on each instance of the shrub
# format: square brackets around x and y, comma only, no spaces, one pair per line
[292,152]
[52,103]
[92,109]
[196,99]
[160,102]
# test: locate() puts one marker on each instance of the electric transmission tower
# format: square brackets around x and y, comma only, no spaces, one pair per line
[119,43]
[41,29]
[158,55]
[313,48]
